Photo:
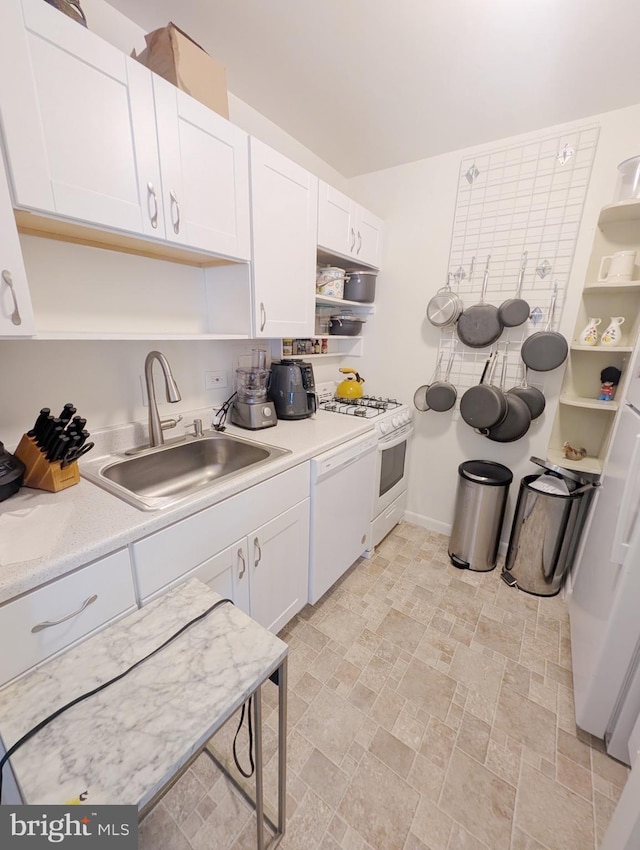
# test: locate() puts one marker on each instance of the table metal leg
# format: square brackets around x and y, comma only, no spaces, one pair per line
[257,723]
[282,747]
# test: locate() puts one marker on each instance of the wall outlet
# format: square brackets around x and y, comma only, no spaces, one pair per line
[215,380]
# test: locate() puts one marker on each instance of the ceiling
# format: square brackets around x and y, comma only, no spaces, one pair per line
[369,84]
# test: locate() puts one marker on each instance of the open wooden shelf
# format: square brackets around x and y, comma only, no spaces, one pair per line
[612,288]
[589,403]
[606,348]
[621,211]
[587,464]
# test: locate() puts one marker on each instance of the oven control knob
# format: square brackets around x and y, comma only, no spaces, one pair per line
[406,416]
[385,427]
[396,422]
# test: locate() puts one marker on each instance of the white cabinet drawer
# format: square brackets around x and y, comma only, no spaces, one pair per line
[77,604]
[166,555]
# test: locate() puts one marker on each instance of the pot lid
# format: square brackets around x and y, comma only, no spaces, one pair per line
[361,271]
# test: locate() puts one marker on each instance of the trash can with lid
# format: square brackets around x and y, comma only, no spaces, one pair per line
[547,525]
[481,499]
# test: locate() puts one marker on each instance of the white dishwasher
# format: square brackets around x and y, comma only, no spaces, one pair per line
[342,491]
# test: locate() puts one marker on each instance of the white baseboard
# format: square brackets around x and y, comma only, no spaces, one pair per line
[441,527]
[428,523]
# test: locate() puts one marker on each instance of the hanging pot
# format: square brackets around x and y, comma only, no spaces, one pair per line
[484,405]
[445,306]
[442,395]
[517,420]
[515,311]
[545,350]
[420,396]
[532,396]
[480,325]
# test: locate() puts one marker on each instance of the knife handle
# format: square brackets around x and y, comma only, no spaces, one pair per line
[58,449]
[40,422]
[67,412]
[52,440]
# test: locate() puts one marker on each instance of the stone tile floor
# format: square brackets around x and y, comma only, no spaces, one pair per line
[429,709]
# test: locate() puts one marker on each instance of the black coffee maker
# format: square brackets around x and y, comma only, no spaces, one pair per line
[292,389]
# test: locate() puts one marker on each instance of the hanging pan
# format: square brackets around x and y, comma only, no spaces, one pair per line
[480,325]
[420,396]
[532,396]
[545,350]
[484,405]
[515,311]
[442,395]
[444,307]
[517,421]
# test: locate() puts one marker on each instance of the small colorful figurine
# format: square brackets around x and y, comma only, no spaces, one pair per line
[609,379]
[573,454]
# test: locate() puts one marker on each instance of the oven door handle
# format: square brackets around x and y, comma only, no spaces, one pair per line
[391,441]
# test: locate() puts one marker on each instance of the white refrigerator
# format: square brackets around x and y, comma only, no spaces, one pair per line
[604,597]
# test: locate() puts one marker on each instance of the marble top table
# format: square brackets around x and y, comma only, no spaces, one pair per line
[125,743]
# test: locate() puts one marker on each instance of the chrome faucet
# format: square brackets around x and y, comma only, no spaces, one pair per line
[156,437]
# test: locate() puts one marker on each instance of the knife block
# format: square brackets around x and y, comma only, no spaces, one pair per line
[39,473]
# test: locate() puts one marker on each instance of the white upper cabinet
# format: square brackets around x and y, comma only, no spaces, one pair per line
[205,174]
[78,122]
[284,199]
[81,138]
[347,229]
[16,314]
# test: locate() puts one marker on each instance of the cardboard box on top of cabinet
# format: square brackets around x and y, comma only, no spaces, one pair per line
[172,54]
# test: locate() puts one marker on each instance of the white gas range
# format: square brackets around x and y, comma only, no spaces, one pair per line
[394,428]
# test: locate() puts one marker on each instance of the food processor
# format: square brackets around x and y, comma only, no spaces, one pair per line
[251,408]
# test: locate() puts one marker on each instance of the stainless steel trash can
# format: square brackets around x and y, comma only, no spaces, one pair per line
[546,529]
[481,499]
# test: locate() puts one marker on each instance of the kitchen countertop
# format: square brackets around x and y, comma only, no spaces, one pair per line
[178,698]
[101,523]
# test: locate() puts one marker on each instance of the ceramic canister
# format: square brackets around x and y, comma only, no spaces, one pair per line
[330,281]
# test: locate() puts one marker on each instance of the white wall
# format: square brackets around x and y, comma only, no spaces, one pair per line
[126,35]
[417,202]
[102,378]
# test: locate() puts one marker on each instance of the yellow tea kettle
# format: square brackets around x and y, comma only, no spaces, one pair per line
[351,387]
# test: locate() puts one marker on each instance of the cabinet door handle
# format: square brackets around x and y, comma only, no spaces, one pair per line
[256,544]
[48,623]
[244,563]
[152,199]
[175,218]
[263,316]
[359,242]
[16,318]
[353,239]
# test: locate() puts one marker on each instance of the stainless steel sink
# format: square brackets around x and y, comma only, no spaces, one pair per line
[160,477]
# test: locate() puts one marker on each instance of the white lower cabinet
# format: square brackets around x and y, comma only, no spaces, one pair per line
[279,565]
[252,548]
[45,621]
